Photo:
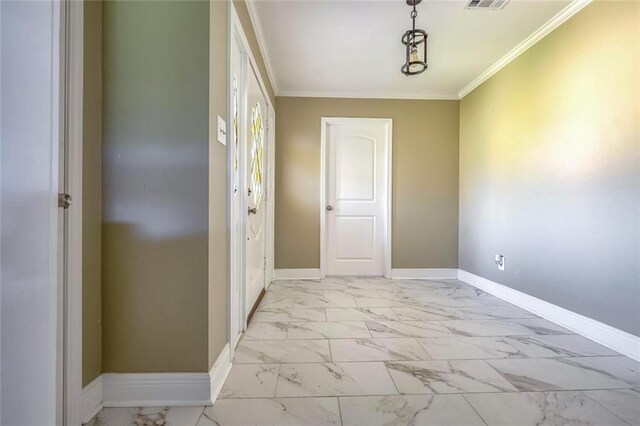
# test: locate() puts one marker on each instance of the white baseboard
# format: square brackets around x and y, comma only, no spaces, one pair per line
[155,389]
[219,372]
[424,274]
[613,338]
[91,399]
[297,274]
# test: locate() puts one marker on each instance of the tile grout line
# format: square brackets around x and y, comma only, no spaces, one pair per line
[340,411]
[603,406]
[502,392]
[275,390]
[474,409]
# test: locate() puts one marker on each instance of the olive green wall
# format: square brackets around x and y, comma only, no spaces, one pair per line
[550,168]
[92,194]
[165,236]
[155,186]
[425,178]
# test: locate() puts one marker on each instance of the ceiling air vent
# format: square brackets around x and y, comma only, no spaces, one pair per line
[486,4]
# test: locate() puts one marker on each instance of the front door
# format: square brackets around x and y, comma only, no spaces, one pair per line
[256,116]
[356,211]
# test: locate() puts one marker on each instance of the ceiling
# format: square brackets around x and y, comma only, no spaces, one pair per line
[352,48]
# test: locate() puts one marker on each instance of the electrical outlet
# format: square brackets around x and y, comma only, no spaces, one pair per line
[500,261]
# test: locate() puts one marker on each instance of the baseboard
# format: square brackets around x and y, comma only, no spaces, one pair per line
[424,274]
[91,399]
[219,372]
[156,389]
[297,274]
[611,337]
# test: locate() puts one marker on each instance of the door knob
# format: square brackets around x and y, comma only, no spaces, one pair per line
[253,210]
[329,208]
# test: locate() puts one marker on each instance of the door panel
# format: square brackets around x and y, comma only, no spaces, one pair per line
[355,237]
[357,175]
[355,169]
[255,192]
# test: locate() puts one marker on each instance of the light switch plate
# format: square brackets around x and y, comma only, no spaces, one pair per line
[222,131]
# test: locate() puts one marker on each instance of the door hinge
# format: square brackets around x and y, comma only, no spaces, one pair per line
[64,201]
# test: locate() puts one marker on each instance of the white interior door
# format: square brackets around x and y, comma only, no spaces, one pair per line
[255,170]
[357,189]
[30,291]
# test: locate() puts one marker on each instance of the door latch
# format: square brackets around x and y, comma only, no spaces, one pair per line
[64,201]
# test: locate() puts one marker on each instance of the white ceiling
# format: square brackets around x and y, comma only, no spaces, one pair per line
[352,48]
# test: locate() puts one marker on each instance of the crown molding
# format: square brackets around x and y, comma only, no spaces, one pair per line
[574,7]
[262,44]
[353,95]
[566,13]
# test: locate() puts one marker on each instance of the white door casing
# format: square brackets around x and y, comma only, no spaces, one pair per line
[356,197]
[256,141]
[235,145]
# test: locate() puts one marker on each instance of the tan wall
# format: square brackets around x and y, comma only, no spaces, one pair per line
[155,186]
[92,194]
[425,178]
[218,235]
[549,168]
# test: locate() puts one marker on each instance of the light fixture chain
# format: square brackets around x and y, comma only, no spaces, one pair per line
[414,13]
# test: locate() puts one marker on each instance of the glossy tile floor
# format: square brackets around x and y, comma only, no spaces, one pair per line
[358,351]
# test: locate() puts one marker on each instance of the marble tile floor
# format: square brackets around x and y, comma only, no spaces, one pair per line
[371,351]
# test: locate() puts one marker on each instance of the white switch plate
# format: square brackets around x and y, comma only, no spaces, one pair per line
[222,131]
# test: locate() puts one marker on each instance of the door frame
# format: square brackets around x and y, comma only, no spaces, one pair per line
[324,162]
[237,278]
[71,119]
[236,309]
[270,194]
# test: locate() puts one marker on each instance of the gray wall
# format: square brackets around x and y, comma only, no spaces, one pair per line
[549,169]
[155,186]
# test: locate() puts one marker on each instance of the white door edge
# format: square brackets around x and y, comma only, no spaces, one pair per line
[271,186]
[73,115]
[325,122]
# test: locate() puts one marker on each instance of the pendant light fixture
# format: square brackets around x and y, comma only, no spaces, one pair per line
[415,42]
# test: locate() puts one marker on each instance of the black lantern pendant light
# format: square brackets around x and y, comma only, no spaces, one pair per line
[415,42]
